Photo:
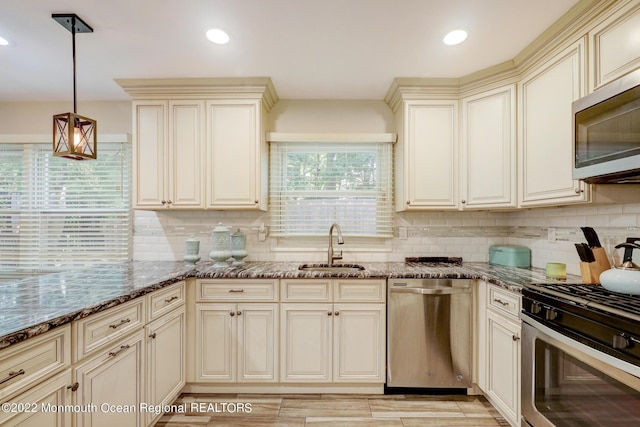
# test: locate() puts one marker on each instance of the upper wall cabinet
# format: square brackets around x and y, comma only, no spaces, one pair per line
[168,154]
[236,155]
[545,119]
[614,44]
[426,154]
[199,143]
[488,166]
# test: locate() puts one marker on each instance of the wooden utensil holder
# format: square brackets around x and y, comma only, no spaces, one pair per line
[591,271]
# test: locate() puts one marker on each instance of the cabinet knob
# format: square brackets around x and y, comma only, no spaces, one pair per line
[329,313]
[232,314]
[256,202]
[73,387]
[239,313]
[578,191]
[515,337]
[337,313]
[408,202]
[463,201]
[152,336]
[169,202]
[164,202]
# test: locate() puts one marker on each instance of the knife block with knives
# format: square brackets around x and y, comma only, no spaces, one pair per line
[593,257]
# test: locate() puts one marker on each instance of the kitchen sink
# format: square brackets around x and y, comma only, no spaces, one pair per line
[335,268]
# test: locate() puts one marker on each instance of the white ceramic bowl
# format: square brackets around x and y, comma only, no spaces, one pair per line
[623,281]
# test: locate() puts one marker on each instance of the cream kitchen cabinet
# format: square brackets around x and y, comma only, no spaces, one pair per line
[38,406]
[165,346]
[426,155]
[341,341]
[499,349]
[545,121]
[113,380]
[488,149]
[614,45]
[236,155]
[236,340]
[168,155]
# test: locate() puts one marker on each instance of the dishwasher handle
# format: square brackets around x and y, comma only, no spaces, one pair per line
[432,291]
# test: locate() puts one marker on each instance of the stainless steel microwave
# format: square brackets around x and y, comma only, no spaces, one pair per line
[606,133]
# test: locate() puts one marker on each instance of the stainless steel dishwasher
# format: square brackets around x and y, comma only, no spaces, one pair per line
[429,333]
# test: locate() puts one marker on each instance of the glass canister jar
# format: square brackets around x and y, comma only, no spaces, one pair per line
[221,239]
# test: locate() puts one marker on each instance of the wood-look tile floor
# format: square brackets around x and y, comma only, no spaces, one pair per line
[323,410]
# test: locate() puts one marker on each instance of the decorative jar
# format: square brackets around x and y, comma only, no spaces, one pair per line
[191,250]
[238,247]
[221,239]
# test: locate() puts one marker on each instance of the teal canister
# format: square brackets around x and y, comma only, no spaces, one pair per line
[191,250]
[239,247]
[221,243]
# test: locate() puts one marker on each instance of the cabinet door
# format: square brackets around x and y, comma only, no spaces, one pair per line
[235,146]
[430,155]
[306,353]
[613,45]
[359,343]
[257,342]
[215,342]
[185,170]
[165,359]
[149,154]
[52,393]
[503,366]
[489,149]
[111,379]
[546,147]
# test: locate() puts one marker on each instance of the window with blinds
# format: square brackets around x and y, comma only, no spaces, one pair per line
[59,214]
[314,184]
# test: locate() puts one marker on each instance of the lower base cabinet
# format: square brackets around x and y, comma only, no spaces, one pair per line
[236,342]
[38,406]
[165,361]
[113,381]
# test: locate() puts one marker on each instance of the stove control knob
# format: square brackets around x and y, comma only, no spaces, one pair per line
[621,341]
[535,308]
[550,314]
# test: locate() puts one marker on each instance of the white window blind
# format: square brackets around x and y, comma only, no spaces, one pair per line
[59,214]
[313,185]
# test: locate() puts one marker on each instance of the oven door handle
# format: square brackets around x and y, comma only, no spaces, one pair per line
[431,291]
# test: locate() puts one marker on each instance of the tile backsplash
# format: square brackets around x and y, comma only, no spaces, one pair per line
[549,232]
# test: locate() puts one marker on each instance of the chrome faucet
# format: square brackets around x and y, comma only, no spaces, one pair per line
[331,254]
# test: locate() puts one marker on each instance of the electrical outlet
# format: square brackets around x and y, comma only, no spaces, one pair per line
[551,234]
[403,233]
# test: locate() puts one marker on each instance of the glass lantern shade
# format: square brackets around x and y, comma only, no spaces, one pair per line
[74,136]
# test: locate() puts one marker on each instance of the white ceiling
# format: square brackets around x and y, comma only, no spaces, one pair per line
[312,49]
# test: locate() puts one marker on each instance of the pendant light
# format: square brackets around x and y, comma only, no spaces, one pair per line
[74,136]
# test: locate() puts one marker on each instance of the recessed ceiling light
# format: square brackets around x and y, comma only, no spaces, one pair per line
[455,37]
[3,41]
[217,36]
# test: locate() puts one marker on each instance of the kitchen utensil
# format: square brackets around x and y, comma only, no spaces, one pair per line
[591,236]
[623,278]
[584,252]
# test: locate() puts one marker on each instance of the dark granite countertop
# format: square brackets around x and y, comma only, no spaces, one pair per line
[32,306]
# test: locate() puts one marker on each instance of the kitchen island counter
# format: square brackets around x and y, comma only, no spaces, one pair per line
[32,306]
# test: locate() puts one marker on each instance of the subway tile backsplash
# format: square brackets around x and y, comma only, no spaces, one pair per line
[160,235]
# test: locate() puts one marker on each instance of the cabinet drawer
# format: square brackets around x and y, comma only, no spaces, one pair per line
[164,300]
[255,290]
[504,301]
[306,290]
[30,361]
[359,290]
[102,328]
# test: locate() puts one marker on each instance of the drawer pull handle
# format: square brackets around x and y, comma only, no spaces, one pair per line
[499,301]
[122,348]
[152,336]
[122,322]
[173,298]
[12,375]
[236,291]
[73,387]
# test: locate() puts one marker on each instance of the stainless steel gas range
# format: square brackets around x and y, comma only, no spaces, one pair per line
[580,356]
